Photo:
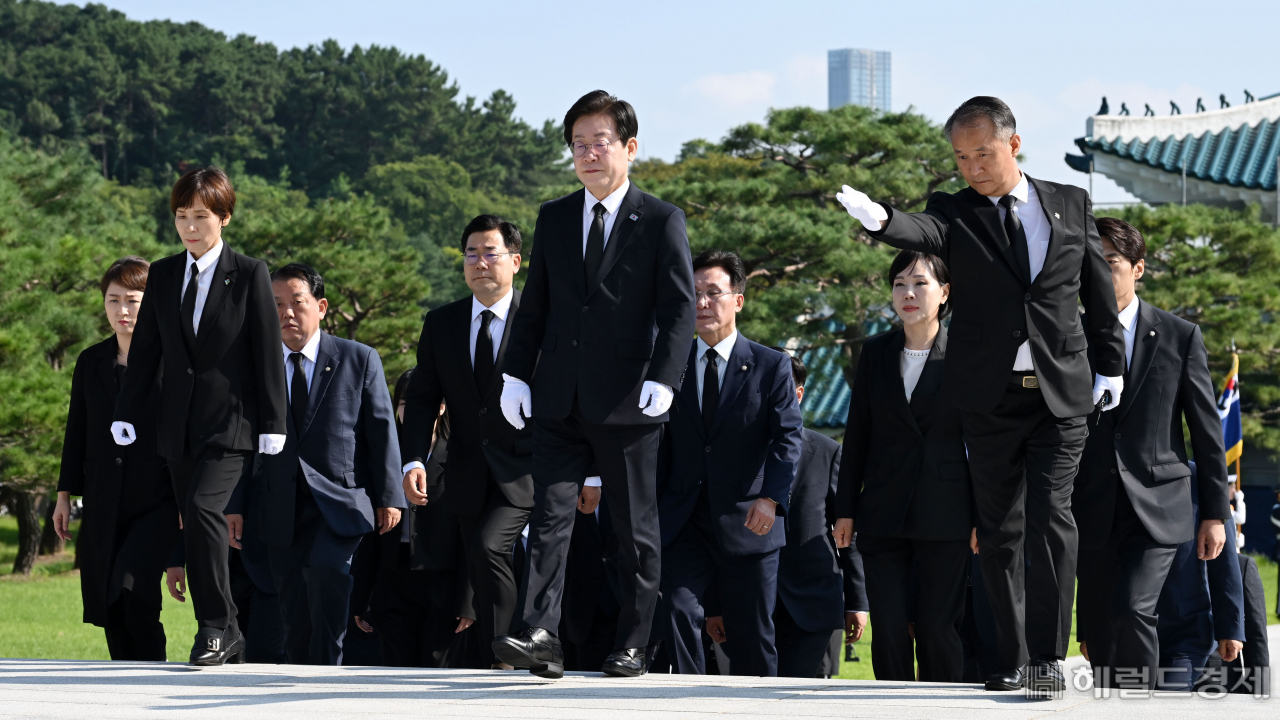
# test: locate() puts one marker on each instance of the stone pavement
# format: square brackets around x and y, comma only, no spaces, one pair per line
[91,689]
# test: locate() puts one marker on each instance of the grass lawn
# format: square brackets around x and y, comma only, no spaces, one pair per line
[40,615]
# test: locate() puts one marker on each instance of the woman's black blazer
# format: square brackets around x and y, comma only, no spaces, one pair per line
[904,472]
[116,482]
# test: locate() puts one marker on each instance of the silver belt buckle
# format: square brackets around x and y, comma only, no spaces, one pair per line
[1031,382]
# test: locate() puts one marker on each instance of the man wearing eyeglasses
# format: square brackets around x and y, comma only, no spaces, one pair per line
[488,476]
[595,357]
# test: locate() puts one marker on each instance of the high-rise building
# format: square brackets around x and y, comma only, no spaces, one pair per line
[858,77]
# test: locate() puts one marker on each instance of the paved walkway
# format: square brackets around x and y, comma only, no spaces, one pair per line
[84,689]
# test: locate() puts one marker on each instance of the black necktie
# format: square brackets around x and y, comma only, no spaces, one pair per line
[298,398]
[482,366]
[189,305]
[595,246]
[710,391]
[1017,237]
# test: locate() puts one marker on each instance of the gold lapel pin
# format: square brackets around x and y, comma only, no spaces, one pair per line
[326,369]
[744,368]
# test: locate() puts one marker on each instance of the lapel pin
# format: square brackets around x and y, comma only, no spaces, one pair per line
[227,281]
[744,368]
[634,216]
[1056,215]
[326,368]
[1153,333]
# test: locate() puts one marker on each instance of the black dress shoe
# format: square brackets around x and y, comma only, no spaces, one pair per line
[215,646]
[1005,681]
[1045,675]
[625,663]
[535,649]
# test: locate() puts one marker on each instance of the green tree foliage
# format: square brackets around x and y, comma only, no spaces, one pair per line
[1220,269]
[767,193]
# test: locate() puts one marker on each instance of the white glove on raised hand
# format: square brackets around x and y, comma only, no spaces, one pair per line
[1101,385]
[123,433]
[657,396]
[871,214]
[516,396]
[270,444]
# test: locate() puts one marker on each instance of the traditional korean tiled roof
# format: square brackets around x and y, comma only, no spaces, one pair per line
[1239,157]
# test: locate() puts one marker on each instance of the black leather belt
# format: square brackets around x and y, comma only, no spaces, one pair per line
[1023,380]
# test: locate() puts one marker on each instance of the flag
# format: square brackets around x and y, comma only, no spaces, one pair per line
[1229,412]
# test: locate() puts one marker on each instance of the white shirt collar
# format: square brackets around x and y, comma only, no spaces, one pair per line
[206,260]
[611,201]
[309,351]
[1021,191]
[499,309]
[1129,313]
[722,348]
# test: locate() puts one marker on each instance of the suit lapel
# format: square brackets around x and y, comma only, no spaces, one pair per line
[930,376]
[463,352]
[107,368]
[891,367]
[629,215]
[688,397]
[502,344]
[1051,205]
[1146,336]
[989,214]
[735,377]
[328,358]
[224,276]
[572,231]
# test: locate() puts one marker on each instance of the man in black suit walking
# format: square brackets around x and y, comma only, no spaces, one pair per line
[819,589]
[489,470]
[730,456]
[1022,253]
[1132,500]
[607,321]
[208,323]
[337,478]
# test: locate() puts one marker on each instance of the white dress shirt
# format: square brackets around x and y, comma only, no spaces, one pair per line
[912,365]
[308,363]
[611,204]
[496,325]
[1128,319]
[203,281]
[1036,226]
[723,348]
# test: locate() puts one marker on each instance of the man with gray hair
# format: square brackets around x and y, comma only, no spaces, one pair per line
[1021,251]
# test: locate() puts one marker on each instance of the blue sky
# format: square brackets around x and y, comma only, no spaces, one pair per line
[696,69]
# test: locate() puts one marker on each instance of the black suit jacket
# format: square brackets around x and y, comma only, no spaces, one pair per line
[752,451]
[230,387]
[904,472]
[996,308]
[346,449]
[599,344]
[810,582]
[482,443]
[1141,445]
[117,483]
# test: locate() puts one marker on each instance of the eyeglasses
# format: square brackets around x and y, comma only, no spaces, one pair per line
[599,147]
[489,258]
[712,296]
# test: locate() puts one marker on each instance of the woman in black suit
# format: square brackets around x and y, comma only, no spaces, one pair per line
[904,483]
[209,323]
[130,523]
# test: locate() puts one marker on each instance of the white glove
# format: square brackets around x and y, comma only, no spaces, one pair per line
[123,433]
[270,444]
[871,214]
[657,396]
[516,396]
[593,481]
[1101,385]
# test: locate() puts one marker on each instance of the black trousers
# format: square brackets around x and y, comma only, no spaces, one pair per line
[1023,461]
[695,569]
[133,629]
[415,619]
[313,577]
[800,652]
[941,571]
[203,486]
[566,452]
[1118,587]
[488,539]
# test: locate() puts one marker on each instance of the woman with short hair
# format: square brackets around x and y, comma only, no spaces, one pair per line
[130,521]
[904,483]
